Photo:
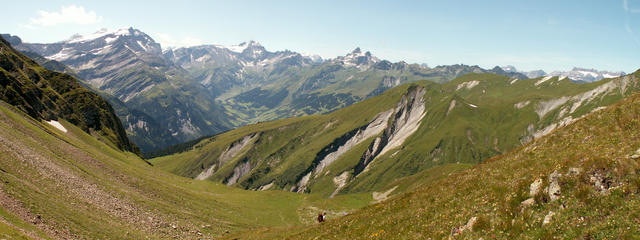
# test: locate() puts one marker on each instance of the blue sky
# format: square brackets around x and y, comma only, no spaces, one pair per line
[548,35]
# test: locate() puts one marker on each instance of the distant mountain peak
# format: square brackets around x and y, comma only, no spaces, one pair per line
[509,68]
[359,59]
[77,38]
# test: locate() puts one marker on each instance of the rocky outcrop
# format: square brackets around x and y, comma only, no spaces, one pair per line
[405,121]
[340,181]
[554,186]
[341,145]
[239,171]
[228,154]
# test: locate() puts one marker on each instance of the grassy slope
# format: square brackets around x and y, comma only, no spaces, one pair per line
[49,95]
[71,185]
[599,145]
[465,134]
[314,131]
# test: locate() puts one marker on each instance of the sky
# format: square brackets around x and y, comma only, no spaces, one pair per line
[530,35]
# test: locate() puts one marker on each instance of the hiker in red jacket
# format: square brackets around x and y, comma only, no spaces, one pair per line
[321,217]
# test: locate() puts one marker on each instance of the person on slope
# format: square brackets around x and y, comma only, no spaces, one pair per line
[321,217]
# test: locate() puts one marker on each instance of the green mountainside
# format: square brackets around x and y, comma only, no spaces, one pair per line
[418,161]
[405,130]
[47,95]
[67,171]
[157,101]
[579,182]
[71,185]
[256,85]
[177,95]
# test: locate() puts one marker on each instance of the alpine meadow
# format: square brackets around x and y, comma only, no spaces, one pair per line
[320,120]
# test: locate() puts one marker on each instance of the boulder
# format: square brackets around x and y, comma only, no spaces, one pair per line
[547,219]
[534,188]
[554,186]
[528,203]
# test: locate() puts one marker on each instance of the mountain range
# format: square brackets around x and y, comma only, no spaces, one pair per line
[165,98]
[482,155]
[410,128]
[576,74]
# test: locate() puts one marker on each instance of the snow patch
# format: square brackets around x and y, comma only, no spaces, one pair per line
[57,125]
[64,54]
[110,39]
[103,32]
[203,58]
[142,45]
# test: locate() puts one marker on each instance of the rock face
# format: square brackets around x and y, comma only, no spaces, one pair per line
[232,151]
[340,146]
[586,75]
[154,98]
[535,186]
[406,120]
[554,186]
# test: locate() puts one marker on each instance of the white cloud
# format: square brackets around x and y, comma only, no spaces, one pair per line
[167,40]
[70,14]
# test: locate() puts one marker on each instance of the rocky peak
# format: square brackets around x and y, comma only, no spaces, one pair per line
[586,75]
[358,59]
[253,50]
[13,40]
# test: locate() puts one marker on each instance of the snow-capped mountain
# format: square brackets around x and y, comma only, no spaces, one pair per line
[358,59]
[576,74]
[247,54]
[100,57]
[155,98]
[189,92]
[529,74]
[586,75]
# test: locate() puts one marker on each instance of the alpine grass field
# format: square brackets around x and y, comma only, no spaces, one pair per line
[465,121]
[178,133]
